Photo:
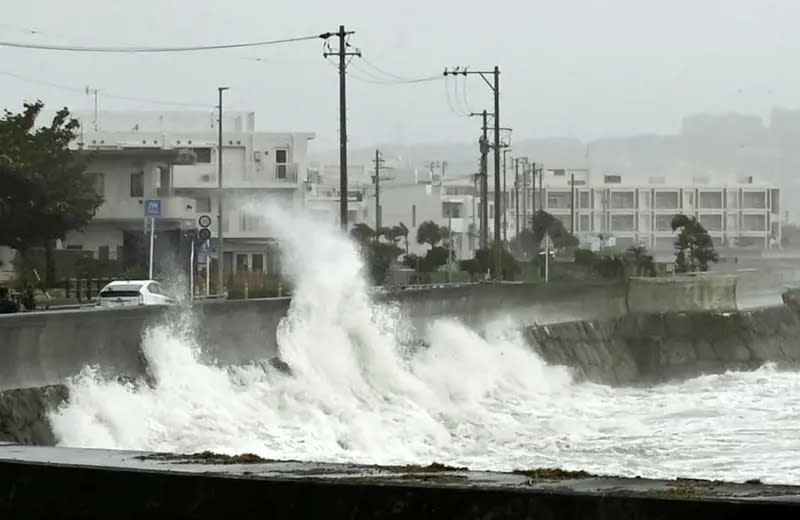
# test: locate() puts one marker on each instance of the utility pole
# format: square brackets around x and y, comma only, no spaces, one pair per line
[342,53]
[533,190]
[484,144]
[572,203]
[378,162]
[524,196]
[516,196]
[495,87]
[220,195]
[505,199]
[498,253]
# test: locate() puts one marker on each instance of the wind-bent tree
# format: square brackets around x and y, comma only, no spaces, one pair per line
[694,248]
[542,223]
[431,233]
[44,188]
[377,255]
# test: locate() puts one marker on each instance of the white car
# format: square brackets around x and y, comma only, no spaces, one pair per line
[127,293]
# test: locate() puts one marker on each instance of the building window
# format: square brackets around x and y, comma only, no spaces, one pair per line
[583,223]
[733,223]
[137,184]
[258,262]
[558,199]
[612,179]
[585,200]
[711,222]
[664,222]
[451,210]
[99,183]
[621,222]
[732,199]
[558,173]
[203,154]
[103,253]
[203,205]
[667,200]
[622,200]
[241,262]
[754,200]
[754,222]
[281,159]
[711,199]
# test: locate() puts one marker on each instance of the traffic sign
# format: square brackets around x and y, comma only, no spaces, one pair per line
[152,208]
[204,221]
[203,234]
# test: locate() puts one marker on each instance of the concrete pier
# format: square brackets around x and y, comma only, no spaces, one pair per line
[48,482]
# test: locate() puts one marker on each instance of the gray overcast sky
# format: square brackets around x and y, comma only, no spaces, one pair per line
[581,68]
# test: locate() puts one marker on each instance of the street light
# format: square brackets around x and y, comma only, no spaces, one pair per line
[220,232]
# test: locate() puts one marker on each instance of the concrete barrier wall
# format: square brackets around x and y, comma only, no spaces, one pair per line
[683,293]
[39,349]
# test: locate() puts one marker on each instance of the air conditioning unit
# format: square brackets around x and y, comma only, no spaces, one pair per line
[257,156]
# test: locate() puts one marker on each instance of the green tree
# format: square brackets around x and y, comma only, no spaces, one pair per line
[431,233]
[508,264]
[639,261]
[44,188]
[694,248]
[378,255]
[528,241]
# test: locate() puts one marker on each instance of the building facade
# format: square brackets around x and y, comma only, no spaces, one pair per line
[140,159]
[634,210]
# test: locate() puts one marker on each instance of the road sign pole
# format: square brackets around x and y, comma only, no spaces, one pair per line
[208,275]
[547,261]
[191,271]
[152,235]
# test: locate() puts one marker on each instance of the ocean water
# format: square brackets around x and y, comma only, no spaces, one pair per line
[476,398]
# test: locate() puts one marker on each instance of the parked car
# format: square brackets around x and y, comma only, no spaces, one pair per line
[127,293]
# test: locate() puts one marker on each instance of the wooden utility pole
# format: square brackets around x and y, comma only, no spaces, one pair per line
[516,196]
[220,196]
[495,87]
[378,162]
[342,53]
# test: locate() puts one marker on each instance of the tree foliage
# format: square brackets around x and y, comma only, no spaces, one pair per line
[378,255]
[509,267]
[529,240]
[694,248]
[44,188]
[431,233]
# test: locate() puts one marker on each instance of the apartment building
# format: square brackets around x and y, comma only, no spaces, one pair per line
[737,212]
[322,197]
[173,158]
[413,198]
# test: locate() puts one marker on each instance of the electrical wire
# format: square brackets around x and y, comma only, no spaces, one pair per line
[190,48]
[78,90]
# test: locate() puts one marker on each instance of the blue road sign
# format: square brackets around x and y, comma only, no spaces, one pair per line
[152,208]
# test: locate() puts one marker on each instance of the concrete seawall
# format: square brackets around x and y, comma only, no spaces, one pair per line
[647,348]
[41,349]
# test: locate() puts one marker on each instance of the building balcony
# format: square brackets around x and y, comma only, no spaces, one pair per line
[132,208]
[204,176]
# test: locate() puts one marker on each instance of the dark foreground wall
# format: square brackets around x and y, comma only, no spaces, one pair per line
[63,482]
[40,349]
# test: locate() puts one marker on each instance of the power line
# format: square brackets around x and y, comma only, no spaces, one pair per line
[78,90]
[190,48]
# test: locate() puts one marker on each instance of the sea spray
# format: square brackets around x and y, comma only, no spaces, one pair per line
[477,398]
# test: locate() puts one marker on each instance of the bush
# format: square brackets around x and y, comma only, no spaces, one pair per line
[585,257]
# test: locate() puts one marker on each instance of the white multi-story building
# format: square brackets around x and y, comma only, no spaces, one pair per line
[633,209]
[412,199]
[137,158]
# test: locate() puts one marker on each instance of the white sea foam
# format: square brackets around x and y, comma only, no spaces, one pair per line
[484,400]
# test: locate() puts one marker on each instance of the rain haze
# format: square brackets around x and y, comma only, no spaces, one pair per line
[581,69]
